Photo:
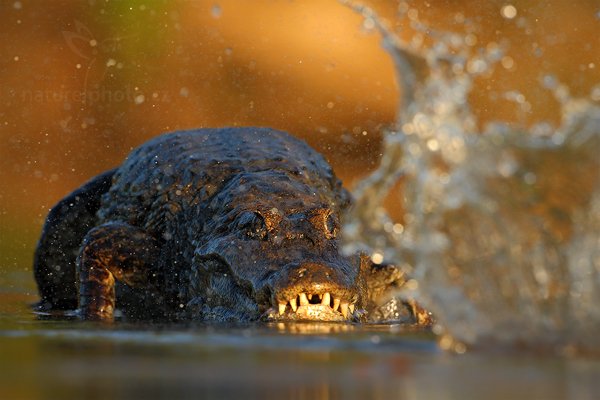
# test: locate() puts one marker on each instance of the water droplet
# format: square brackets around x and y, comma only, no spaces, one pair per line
[368,24]
[476,66]
[507,62]
[377,258]
[413,14]
[459,18]
[445,342]
[216,11]
[508,11]
[507,166]
[398,228]
[471,40]
[139,99]
[460,348]
[433,145]
[414,149]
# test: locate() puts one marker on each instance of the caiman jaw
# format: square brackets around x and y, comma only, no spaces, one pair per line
[315,291]
[313,306]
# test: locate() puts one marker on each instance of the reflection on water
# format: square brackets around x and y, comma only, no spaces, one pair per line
[69,360]
[502,223]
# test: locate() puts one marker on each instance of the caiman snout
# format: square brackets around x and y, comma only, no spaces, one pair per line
[314,291]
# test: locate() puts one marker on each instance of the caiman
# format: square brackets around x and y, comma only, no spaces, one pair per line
[232,224]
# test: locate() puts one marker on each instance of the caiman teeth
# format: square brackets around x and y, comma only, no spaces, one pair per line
[336,304]
[303,299]
[344,309]
[342,306]
[326,299]
[293,304]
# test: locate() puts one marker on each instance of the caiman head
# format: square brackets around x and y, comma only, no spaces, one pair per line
[269,248]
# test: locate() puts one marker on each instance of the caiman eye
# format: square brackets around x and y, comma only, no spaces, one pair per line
[331,226]
[252,225]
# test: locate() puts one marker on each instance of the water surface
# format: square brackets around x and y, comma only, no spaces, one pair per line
[45,359]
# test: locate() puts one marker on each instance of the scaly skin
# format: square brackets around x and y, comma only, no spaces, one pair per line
[213,224]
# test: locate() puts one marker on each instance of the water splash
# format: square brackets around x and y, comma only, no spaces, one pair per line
[501,225]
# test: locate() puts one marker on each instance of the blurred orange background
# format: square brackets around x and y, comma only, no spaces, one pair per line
[83,83]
